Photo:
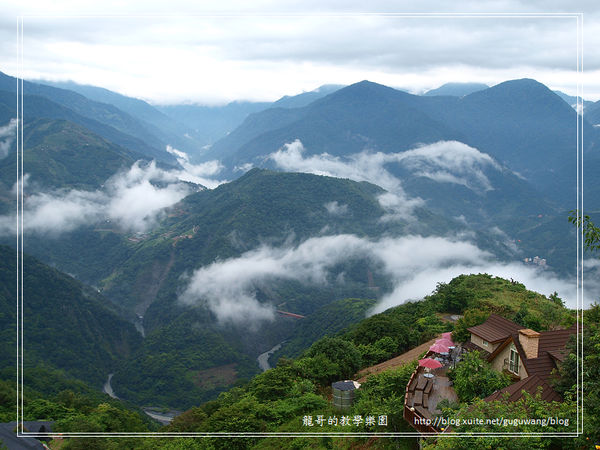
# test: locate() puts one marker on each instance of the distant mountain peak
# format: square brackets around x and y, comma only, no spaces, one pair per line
[368,87]
[522,83]
[524,89]
[369,84]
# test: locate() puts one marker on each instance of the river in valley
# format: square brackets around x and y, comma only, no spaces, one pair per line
[263,358]
[107,389]
[164,417]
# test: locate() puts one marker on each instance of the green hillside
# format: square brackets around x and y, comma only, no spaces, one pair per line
[328,320]
[262,206]
[61,154]
[224,223]
[65,324]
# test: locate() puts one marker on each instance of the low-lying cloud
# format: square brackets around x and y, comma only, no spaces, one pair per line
[414,264]
[444,162]
[7,136]
[228,288]
[335,209]
[362,166]
[133,200]
[196,173]
[449,162]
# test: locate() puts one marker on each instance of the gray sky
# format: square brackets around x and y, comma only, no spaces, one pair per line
[167,52]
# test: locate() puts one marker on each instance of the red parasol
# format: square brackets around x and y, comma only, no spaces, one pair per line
[446,342]
[439,348]
[430,363]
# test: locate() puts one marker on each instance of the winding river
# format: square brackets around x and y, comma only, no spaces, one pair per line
[163,417]
[263,358]
[107,389]
[156,413]
[167,417]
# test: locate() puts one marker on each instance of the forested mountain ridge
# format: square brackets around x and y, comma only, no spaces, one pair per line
[66,325]
[120,124]
[62,154]
[39,107]
[362,115]
[521,123]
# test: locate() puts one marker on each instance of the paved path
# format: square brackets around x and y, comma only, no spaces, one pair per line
[400,360]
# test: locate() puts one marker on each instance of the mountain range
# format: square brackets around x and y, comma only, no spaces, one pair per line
[521,124]
[261,220]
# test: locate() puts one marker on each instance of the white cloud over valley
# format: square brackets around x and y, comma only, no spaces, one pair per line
[7,136]
[203,173]
[133,200]
[443,161]
[414,264]
[449,162]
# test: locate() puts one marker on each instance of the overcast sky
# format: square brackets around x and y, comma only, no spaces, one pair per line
[169,52]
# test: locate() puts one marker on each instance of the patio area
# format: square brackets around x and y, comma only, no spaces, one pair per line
[424,391]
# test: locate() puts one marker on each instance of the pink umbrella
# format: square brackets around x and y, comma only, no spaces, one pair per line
[446,342]
[439,348]
[430,363]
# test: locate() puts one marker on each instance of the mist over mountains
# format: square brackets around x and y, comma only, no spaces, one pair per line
[201,223]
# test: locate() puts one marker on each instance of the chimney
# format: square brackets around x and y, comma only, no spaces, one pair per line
[529,340]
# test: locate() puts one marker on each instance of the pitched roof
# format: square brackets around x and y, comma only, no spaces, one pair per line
[530,385]
[495,329]
[551,348]
[541,366]
[559,355]
[556,340]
